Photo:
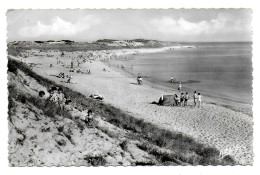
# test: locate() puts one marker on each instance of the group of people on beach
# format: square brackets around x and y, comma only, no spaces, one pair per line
[55,95]
[64,103]
[62,75]
[72,69]
[80,71]
[182,99]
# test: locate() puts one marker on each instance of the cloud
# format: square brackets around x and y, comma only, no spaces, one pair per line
[219,25]
[223,23]
[59,27]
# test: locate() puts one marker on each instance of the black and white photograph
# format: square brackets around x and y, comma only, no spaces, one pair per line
[130,87]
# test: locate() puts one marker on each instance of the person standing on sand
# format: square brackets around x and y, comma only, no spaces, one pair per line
[195,96]
[179,100]
[176,100]
[199,99]
[182,98]
[186,98]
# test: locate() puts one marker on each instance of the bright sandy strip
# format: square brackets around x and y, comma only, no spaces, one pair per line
[228,130]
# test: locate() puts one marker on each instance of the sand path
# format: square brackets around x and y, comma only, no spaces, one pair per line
[228,130]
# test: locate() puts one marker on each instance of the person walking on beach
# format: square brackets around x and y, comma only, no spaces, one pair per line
[186,98]
[179,87]
[195,96]
[139,79]
[199,99]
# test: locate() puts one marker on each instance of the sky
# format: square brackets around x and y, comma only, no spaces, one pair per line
[191,25]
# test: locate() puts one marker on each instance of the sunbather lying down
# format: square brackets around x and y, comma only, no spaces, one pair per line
[98,97]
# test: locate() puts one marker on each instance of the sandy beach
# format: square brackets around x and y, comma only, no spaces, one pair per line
[227,129]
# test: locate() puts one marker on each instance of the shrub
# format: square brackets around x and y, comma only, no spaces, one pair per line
[123,145]
[11,67]
[95,160]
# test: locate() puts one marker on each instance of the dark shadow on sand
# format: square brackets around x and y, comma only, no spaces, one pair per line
[136,84]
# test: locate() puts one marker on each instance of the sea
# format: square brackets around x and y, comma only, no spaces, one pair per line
[217,69]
